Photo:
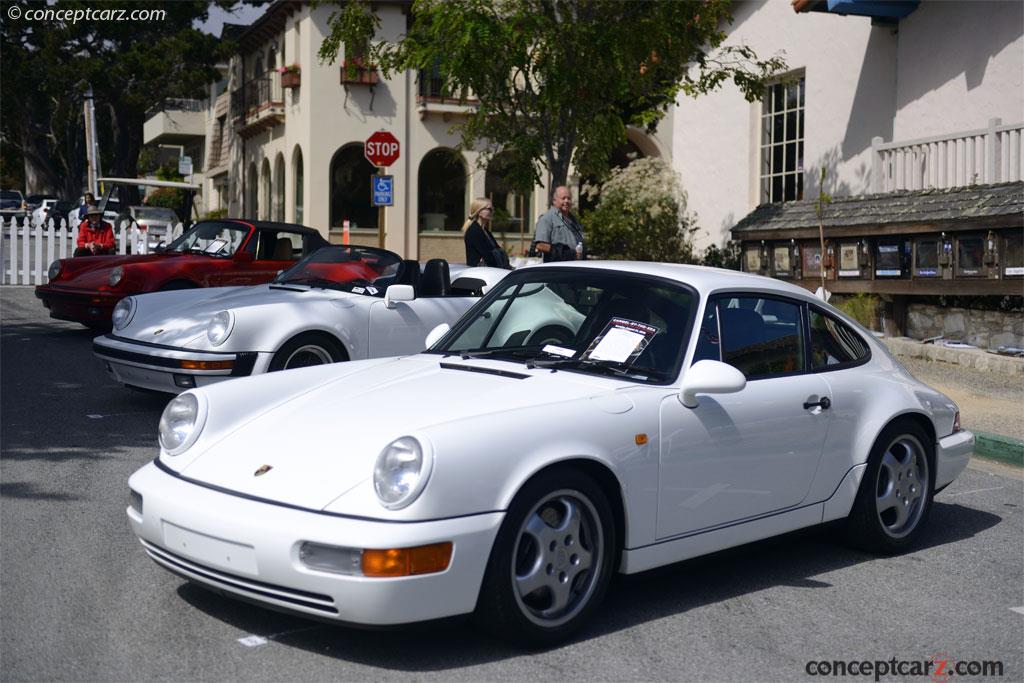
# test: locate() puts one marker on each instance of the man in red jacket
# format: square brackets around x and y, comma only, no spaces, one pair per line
[95,235]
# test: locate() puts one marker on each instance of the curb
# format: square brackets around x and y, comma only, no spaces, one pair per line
[1001,448]
[979,359]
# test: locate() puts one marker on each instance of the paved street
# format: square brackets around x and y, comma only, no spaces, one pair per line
[80,600]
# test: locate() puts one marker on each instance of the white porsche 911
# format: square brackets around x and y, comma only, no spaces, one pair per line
[339,303]
[581,419]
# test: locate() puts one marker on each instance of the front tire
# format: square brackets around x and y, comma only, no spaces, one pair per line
[308,351]
[896,493]
[551,562]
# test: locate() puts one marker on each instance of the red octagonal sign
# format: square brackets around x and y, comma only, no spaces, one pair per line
[381,148]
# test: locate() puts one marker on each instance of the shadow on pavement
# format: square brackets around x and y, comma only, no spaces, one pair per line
[790,560]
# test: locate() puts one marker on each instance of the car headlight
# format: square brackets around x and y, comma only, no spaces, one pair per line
[181,423]
[401,472]
[220,327]
[123,313]
[54,270]
[116,275]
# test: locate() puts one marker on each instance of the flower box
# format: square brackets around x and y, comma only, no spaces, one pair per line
[291,79]
[359,75]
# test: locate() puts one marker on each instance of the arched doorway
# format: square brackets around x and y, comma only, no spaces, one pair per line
[350,188]
[297,175]
[264,212]
[441,195]
[278,213]
[252,192]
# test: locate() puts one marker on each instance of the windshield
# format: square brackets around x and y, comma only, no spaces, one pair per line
[583,320]
[213,238]
[359,270]
[10,194]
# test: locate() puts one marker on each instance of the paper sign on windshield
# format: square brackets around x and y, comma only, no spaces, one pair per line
[215,246]
[621,341]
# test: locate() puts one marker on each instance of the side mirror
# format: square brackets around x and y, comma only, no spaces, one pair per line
[710,377]
[435,334]
[398,293]
[244,257]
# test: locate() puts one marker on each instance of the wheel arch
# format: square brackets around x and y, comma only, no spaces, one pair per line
[317,333]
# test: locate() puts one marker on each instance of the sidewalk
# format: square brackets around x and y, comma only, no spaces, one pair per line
[988,388]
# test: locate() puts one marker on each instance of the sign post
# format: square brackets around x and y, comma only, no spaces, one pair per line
[382,149]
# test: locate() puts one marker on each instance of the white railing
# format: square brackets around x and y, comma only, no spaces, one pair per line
[975,157]
[26,251]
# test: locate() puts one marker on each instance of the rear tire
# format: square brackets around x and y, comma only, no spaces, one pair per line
[307,351]
[895,495]
[551,561]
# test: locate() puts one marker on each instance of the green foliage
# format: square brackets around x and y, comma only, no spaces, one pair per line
[861,307]
[556,82]
[725,256]
[215,214]
[641,215]
[167,197]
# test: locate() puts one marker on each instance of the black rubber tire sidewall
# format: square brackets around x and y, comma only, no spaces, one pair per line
[329,345]
[498,611]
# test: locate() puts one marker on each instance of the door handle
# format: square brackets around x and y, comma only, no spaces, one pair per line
[825,403]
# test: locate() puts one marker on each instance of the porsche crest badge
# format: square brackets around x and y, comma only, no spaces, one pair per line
[262,470]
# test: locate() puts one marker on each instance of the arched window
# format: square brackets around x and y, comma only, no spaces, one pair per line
[511,208]
[350,188]
[252,208]
[265,190]
[257,67]
[279,188]
[297,174]
[442,190]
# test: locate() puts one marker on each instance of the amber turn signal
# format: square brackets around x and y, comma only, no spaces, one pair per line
[641,439]
[424,559]
[207,364]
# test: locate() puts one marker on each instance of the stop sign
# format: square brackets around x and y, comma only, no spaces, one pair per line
[381,148]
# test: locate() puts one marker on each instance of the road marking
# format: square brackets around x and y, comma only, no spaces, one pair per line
[252,640]
[1018,610]
[964,493]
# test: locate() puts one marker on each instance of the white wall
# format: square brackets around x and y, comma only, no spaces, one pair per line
[850,98]
[959,64]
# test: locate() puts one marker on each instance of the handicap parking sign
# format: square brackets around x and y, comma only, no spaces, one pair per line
[383,190]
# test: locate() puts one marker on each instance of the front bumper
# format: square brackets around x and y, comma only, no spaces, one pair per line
[77,305]
[952,455]
[160,368]
[250,550]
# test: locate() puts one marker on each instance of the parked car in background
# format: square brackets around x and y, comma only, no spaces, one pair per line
[155,221]
[34,201]
[514,467]
[12,204]
[340,303]
[209,254]
[57,213]
[40,212]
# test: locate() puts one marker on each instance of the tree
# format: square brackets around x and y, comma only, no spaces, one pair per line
[131,66]
[558,81]
[642,216]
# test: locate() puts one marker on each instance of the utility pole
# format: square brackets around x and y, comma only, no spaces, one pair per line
[91,143]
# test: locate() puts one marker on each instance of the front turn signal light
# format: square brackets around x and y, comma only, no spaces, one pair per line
[394,562]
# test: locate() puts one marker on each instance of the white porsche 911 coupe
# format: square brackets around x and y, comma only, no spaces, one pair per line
[581,419]
[339,303]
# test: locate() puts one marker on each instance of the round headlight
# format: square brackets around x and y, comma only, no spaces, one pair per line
[220,327]
[54,270]
[123,313]
[116,275]
[181,423]
[401,472]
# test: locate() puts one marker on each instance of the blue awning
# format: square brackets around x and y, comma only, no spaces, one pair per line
[891,9]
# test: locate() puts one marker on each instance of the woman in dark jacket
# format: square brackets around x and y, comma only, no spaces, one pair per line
[481,247]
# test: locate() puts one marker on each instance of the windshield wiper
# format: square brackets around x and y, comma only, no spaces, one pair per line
[612,367]
[318,282]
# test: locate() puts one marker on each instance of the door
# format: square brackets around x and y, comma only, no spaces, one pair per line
[403,329]
[743,455]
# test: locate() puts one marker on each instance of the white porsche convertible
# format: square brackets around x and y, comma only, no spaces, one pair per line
[339,303]
[581,419]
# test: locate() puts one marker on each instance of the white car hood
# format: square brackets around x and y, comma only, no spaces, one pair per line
[182,317]
[322,442]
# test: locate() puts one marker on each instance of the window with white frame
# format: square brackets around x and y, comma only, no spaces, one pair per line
[782,141]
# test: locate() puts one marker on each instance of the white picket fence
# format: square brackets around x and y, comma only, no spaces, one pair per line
[26,252]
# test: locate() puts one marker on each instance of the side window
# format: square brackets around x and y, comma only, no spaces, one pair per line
[708,347]
[278,246]
[833,343]
[761,337]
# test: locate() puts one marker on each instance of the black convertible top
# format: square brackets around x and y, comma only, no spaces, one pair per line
[275,225]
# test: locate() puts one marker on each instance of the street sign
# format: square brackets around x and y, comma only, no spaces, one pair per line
[185,166]
[381,148]
[383,190]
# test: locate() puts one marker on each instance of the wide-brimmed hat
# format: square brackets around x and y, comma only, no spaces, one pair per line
[93,210]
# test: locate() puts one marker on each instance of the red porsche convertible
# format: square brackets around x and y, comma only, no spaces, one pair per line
[214,253]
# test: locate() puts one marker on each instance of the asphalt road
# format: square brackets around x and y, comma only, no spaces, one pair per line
[80,601]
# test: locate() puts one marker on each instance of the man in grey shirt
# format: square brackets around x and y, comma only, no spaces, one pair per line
[559,236]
